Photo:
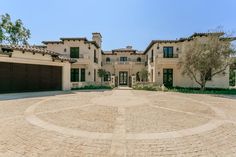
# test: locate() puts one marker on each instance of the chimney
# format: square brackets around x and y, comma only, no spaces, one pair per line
[97,37]
[129,47]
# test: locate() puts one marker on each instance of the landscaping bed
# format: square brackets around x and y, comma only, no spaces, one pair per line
[93,87]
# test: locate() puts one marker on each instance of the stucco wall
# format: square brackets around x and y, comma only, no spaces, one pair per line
[86,62]
[179,48]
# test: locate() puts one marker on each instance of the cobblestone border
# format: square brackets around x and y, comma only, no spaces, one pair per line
[31,117]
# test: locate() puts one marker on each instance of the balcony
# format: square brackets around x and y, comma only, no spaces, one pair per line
[174,56]
[168,60]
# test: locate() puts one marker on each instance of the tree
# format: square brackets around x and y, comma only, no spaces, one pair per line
[205,59]
[143,74]
[102,73]
[13,32]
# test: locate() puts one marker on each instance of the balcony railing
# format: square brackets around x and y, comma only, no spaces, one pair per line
[123,62]
[174,56]
[81,56]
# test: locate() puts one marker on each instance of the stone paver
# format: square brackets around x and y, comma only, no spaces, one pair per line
[117,123]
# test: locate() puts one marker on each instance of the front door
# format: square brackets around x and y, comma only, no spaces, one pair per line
[123,78]
[168,77]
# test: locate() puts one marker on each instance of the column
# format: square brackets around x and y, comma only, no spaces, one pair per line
[66,84]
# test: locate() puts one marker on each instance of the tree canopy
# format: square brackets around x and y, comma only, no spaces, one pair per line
[205,59]
[13,32]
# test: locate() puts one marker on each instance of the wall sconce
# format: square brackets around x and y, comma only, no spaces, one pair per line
[89,73]
[177,49]
[65,50]
[159,73]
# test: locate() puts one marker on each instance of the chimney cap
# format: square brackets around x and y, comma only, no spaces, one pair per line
[97,33]
[129,47]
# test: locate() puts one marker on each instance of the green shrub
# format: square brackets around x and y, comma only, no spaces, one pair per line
[147,86]
[206,91]
[92,87]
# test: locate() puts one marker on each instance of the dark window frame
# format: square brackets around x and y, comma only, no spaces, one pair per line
[167,53]
[74,52]
[82,75]
[108,59]
[74,75]
[139,59]
[123,59]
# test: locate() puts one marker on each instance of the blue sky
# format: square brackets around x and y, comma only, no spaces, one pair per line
[121,22]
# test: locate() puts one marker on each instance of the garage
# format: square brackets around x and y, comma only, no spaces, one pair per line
[27,78]
[30,69]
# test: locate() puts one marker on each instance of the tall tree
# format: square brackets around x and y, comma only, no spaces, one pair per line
[205,59]
[13,32]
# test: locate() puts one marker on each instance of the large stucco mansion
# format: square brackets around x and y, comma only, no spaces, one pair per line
[74,62]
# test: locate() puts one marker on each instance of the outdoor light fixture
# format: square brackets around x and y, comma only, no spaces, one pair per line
[89,73]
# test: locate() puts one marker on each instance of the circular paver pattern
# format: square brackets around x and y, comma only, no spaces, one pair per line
[120,123]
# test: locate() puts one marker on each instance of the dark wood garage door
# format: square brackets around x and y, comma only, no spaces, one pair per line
[27,78]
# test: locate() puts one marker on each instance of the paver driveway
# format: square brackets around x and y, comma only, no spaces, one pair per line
[118,123]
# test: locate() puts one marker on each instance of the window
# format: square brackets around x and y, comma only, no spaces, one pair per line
[123,59]
[74,75]
[74,52]
[108,59]
[95,57]
[82,75]
[138,59]
[151,59]
[95,75]
[168,52]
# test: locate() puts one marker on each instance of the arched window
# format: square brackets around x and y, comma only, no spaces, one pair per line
[138,59]
[108,59]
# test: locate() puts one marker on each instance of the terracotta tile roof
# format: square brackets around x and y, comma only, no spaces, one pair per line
[35,49]
[207,34]
[124,50]
[183,39]
[52,42]
[86,41]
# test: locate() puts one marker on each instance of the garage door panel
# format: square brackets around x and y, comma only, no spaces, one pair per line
[56,78]
[19,77]
[33,77]
[26,77]
[5,76]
